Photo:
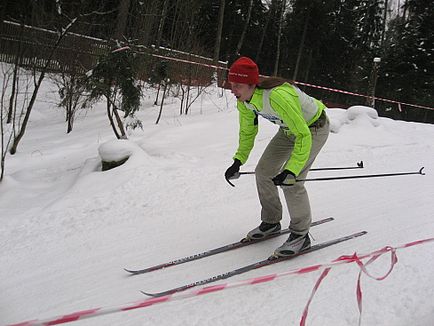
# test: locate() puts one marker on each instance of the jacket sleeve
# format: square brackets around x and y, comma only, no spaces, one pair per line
[287,106]
[247,133]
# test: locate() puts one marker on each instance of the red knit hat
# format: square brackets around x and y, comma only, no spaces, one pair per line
[244,71]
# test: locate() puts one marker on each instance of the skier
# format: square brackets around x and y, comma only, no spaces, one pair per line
[304,128]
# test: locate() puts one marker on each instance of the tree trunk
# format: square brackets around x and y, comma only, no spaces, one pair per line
[17,63]
[175,23]
[404,13]
[158,93]
[147,21]
[219,31]
[2,167]
[300,48]
[161,105]
[110,117]
[20,135]
[69,116]
[120,124]
[161,24]
[246,25]
[182,99]
[279,36]
[383,31]
[309,64]
[264,31]
[121,23]
[187,101]
[187,105]
[2,133]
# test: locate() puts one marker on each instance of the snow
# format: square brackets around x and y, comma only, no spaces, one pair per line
[68,229]
[117,150]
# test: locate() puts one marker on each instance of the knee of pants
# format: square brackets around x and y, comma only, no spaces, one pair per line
[264,171]
[296,190]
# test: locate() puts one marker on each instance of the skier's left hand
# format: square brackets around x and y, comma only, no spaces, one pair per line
[285,178]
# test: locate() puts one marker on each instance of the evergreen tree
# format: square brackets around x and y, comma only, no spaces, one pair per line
[367,42]
[236,14]
[318,34]
[114,78]
[408,62]
[338,51]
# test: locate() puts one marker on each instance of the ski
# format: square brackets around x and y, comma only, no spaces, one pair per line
[228,247]
[266,262]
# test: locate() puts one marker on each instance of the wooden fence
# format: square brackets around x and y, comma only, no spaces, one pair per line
[80,53]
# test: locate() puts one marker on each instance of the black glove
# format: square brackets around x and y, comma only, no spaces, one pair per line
[285,178]
[233,171]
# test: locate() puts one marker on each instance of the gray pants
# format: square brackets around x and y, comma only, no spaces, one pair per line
[270,164]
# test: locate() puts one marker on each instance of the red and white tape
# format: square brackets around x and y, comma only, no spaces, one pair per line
[80,315]
[297,82]
[366,96]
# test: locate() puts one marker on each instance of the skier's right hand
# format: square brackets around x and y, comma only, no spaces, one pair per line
[233,171]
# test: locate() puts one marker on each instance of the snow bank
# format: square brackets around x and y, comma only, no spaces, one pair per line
[359,115]
[117,150]
[91,176]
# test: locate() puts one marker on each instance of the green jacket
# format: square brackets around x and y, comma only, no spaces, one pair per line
[290,108]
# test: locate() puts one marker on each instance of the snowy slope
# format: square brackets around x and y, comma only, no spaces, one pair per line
[68,230]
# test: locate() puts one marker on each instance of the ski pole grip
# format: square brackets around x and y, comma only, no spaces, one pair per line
[230,182]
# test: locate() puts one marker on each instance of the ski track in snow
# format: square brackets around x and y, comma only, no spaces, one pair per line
[69,229]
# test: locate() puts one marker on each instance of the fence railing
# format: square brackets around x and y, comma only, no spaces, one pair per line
[79,53]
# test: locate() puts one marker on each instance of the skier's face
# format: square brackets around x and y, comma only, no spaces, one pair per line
[243,92]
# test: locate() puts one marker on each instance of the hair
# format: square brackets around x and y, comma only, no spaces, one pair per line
[271,82]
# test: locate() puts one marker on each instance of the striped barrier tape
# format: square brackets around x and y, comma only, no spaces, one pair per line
[84,314]
[366,96]
[296,82]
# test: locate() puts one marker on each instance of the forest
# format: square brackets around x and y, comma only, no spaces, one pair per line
[380,48]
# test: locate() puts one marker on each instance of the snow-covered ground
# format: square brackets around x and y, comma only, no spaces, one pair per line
[68,229]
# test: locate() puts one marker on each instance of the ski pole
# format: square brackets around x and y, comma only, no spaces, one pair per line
[359,166]
[363,176]
[420,172]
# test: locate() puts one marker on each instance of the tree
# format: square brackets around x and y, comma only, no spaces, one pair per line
[159,76]
[143,16]
[407,66]
[219,31]
[310,34]
[282,9]
[246,25]
[368,40]
[121,23]
[38,81]
[6,132]
[72,94]
[114,79]
[269,15]
[162,22]
[17,64]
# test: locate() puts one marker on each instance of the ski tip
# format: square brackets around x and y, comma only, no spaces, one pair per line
[132,272]
[152,295]
[360,164]
[129,271]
